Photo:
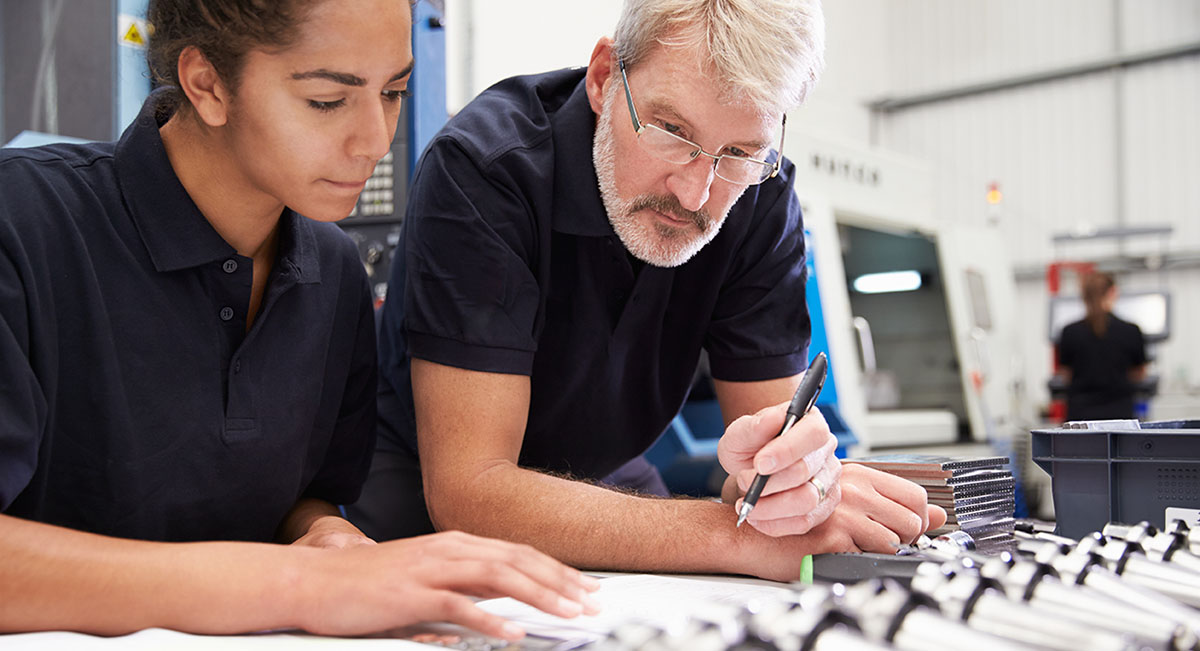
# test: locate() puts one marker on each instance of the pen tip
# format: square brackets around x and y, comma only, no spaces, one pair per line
[742,513]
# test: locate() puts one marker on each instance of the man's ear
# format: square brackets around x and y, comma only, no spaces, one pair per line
[602,68]
[203,86]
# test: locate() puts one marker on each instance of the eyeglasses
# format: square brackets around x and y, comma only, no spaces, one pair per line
[666,146]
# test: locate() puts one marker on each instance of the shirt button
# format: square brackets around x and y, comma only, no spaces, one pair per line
[230,266]
[237,366]
[226,313]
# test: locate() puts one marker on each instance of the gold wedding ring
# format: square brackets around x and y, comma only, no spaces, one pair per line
[820,488]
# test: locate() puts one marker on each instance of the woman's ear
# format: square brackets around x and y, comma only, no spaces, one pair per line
[203,86]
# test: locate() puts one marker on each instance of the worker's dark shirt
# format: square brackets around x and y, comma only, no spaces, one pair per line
[132,400]
[508,264]
[1100,387]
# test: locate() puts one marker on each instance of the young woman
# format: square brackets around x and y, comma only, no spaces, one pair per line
[188,350]
[1101,356]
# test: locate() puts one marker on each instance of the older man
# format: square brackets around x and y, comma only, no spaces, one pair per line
[573,241]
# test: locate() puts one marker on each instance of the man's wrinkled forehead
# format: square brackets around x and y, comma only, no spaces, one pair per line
[688,69]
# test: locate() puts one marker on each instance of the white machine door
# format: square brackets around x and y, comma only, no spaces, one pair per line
[981,304]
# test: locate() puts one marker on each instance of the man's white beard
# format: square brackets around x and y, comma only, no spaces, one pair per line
[644,236]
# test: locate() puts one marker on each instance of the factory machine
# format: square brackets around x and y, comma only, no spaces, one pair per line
[926,308]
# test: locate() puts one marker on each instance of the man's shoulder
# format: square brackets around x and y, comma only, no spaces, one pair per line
[513,114]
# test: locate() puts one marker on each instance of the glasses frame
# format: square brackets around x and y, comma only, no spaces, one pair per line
[697,150]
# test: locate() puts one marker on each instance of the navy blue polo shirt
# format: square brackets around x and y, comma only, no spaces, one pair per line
[508,264]
[1100,387]
[132,400]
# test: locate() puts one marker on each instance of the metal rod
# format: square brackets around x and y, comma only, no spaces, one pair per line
[892,104]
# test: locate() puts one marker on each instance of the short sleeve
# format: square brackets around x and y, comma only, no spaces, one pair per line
[348,458]
[470,297]
[760,328]
[1137,344]
[1066,347]
[23,408]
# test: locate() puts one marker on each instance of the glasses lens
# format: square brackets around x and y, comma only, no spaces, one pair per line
[667,146]
[743,170]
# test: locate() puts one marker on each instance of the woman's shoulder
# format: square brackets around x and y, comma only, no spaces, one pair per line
[51,163]
[1117,323]
[50,187]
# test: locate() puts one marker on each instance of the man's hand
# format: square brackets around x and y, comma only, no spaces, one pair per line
[333,532]
[791,503]
[878,511]
[394,584]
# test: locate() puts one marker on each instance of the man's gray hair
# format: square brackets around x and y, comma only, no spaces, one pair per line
[769,53]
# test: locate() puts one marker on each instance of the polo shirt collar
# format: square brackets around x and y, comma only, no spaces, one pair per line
[175,232]
[298,247]
[578,208]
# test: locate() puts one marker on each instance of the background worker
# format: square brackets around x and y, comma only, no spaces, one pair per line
[1101,356]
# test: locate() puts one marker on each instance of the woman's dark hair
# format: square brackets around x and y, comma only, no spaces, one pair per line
[223,30]
[1096,286]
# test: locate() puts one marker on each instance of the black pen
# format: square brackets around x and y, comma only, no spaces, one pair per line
[806,396]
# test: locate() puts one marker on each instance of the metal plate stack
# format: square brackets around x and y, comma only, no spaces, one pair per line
[977,493]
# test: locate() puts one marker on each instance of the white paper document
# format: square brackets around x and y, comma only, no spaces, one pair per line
[663,601]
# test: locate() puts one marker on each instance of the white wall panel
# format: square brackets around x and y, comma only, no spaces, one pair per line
[942,43]
[1162,150]
[1049,147]
[856,41]
[489,40]
[1154,24]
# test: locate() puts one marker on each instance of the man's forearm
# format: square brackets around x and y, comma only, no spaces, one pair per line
[592,527]
[302,516]
[58,579]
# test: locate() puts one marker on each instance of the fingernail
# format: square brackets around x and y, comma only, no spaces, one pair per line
[511,631]
[568,607]
[766,465]
[590,606]
[589,582]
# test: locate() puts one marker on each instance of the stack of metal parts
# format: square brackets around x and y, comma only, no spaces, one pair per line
[1129,588]
[977,493]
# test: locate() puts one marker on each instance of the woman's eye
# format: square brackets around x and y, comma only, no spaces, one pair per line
[326,106]
[396,95]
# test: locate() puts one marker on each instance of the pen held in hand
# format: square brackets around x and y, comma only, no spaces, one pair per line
[802,401]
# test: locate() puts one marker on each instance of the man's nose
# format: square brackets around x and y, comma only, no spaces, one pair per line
[690,183]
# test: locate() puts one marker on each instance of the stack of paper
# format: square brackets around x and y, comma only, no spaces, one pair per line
[977,492]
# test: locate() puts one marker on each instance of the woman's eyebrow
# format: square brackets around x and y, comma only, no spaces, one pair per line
[346,78]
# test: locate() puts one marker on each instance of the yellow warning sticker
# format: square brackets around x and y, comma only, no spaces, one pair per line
[132,31]
[133,36]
